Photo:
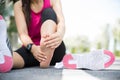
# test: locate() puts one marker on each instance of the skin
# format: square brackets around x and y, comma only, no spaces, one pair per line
[52,33]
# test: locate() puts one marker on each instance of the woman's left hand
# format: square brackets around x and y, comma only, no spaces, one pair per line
[53,40]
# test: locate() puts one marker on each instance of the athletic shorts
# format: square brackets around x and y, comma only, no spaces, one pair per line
[31,61]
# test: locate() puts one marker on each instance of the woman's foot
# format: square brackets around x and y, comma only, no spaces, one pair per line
[96,60]
[6,60]
[49,54]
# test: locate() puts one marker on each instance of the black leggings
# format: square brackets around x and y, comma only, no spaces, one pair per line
[59,52]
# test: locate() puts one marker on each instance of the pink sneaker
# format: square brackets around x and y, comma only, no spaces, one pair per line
[6,61]
[96,60]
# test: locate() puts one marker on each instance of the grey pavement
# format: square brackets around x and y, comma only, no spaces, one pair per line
[35,73]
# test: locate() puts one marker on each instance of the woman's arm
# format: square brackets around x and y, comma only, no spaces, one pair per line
[23,32]
[56,4]
[21,23]
[54,40]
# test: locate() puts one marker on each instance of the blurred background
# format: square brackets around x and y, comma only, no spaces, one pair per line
[90,24]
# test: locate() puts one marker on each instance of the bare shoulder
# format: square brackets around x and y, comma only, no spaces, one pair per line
[52,2]
[18,4]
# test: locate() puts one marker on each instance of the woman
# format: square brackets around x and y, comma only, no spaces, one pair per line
[41,27]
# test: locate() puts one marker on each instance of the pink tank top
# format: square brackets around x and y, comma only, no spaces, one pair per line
[35,24]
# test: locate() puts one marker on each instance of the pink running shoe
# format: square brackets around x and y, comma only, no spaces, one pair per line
[96,60]
[6,61]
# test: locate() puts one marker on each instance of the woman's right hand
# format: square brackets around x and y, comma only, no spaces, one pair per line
[37,53]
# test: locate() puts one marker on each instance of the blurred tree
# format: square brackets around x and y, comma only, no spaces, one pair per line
[6,10]
[83,44]
[116,35]
[99,45]
[106,36]
[79,44]
[103,39]
[12,26]
[5,7]
[73,50]
[2,7]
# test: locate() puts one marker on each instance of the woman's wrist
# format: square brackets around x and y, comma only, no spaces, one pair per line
[29,46]
[32,48]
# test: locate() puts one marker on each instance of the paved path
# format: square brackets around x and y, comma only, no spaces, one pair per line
[35,73]
[60,74]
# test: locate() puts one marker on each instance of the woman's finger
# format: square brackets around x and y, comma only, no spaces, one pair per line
[57,43]
[40,58]
[51,37]
[51,41]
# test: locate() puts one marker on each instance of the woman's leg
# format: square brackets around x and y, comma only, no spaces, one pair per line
[24,58]
[59,53]
[49,21]
[18,61]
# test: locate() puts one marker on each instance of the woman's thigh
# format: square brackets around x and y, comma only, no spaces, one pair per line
[24,58]
[18,61]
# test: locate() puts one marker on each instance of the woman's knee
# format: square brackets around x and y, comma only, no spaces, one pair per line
[7,65]
[49,13]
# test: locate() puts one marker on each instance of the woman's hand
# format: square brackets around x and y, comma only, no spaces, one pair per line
[38,54]
[53,40]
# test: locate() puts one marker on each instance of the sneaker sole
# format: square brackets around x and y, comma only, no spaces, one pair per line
[69,57]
